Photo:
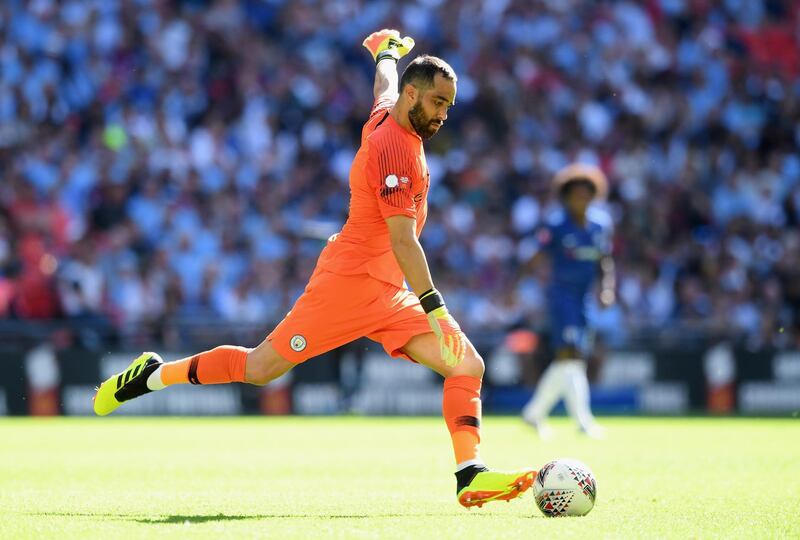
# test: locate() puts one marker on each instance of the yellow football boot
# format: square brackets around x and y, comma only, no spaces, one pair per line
[126,385]
[487,486]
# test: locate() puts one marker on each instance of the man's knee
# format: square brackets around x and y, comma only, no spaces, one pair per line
[264,364]
[471,366]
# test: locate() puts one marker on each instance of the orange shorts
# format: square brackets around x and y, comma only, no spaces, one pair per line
[336,309]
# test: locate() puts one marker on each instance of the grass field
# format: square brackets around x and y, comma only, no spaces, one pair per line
[385,478]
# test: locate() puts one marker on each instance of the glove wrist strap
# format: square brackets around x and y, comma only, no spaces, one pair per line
[387,54]
[430,300]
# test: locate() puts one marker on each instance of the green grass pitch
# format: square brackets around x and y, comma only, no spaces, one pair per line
[350,478]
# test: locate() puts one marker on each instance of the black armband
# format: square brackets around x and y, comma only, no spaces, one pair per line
[430,300]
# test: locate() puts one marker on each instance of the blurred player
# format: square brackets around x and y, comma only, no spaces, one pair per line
[357,288]
[579,250]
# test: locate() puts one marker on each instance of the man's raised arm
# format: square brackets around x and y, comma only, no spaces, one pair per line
[387,47]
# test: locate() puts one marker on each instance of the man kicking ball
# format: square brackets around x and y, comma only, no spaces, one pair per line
[357,288]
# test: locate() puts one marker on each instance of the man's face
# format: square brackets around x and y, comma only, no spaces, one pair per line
[579,197]
[430,110]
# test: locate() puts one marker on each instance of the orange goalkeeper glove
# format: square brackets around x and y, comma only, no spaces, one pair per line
[452,342]
[387,44]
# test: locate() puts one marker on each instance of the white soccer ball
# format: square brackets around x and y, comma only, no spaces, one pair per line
[565,487]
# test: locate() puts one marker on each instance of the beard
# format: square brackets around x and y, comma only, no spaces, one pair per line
[423,125]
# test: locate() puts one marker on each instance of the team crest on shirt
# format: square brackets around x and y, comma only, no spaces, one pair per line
[297,343]
[392,181]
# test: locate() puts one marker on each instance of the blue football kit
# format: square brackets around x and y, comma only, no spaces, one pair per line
[575,252]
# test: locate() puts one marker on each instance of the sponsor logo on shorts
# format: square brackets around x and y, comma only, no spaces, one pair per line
[392,181]
[297,343]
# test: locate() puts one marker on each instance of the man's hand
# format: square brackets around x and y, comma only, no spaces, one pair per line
[452,342]
[606,298]
[606,295]
[388,44]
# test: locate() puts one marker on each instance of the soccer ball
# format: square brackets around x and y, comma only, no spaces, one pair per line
[565,487]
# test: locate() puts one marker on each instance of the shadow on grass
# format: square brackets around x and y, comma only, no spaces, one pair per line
[181,519]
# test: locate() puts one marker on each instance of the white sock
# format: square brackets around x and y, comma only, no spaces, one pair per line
[154,380]
[547,393]
[576,393]
[469,463]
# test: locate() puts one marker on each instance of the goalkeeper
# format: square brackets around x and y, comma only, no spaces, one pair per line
[358,286]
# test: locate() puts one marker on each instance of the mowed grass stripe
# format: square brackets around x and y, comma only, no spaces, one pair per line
[349,477]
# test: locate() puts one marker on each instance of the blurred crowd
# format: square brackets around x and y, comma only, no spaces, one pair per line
[164,160]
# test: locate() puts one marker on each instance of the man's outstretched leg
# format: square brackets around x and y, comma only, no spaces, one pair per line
[461,407]
[223,364]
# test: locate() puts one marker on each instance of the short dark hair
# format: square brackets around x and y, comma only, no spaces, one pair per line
[422,70]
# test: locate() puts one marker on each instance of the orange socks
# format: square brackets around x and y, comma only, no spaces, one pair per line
[223,364]
[461,406]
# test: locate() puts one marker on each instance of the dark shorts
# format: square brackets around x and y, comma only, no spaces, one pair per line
[568,324]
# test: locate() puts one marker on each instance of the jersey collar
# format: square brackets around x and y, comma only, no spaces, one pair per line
[410,132]
[575,224]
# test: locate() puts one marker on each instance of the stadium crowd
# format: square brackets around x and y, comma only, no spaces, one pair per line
[163,159]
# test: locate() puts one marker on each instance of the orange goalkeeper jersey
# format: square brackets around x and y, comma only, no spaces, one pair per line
[388,177]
